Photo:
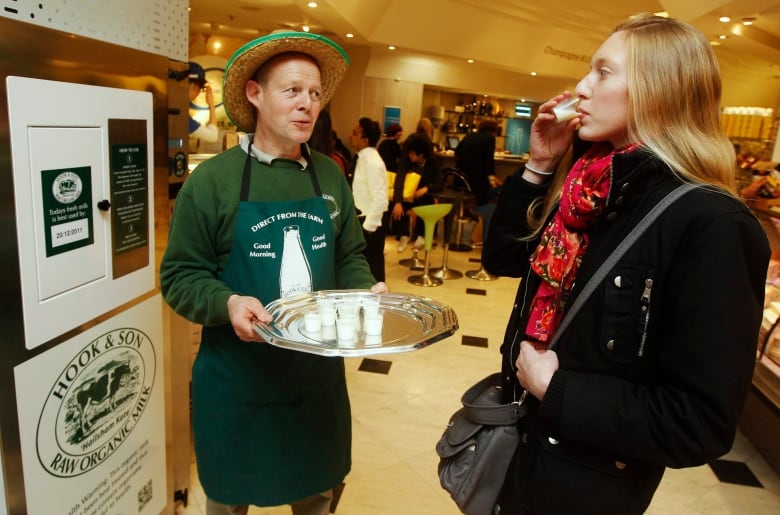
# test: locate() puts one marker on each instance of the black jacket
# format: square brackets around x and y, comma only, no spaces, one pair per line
[641,386]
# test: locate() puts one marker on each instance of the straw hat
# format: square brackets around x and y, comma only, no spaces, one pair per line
[331,58]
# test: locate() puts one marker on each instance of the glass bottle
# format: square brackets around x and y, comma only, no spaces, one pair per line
[295,272]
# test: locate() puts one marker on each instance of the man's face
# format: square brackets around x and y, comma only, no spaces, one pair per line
[288,103]
[356,138]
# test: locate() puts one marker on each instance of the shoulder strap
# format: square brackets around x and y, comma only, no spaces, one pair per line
[613,258]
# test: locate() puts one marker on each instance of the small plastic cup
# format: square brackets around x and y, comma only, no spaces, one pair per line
[345,327]
[372,324]
[348,307]
[327,316]
[328,333]
[373,339]
[566,110]
[326,303]
[312,322]
[370,305]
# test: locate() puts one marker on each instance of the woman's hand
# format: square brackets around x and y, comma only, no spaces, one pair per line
[549,139]
[535,367]
[398,211]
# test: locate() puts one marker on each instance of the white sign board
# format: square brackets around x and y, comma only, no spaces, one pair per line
[92,420]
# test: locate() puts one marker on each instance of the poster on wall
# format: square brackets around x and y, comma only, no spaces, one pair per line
[92,420]
[518,135]
[392,115]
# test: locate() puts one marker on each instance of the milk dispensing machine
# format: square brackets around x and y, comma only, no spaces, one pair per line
[82,425]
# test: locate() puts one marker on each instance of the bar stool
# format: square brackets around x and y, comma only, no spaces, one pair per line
[482,274]
[430,214]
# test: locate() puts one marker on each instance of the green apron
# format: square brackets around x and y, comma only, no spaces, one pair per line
[272,426]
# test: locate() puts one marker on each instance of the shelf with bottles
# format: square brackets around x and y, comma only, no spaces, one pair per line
[749,122]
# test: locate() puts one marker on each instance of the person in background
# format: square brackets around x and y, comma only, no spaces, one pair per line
[272,426]
[654,368]
[425,127]
[208,133]
[417,158]
[341,153]
[474,156]
[369,186]
[390,148]
[322,140]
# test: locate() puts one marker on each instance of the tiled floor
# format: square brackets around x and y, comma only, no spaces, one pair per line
[401,402]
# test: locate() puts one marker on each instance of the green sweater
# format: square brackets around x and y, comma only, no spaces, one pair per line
[204,218]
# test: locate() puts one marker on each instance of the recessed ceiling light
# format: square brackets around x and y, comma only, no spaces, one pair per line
[391,47]
[724,19]
[305,28]
[312,4]
[533,74]
[470,61]
[747,21]
[722,36]
[349,35]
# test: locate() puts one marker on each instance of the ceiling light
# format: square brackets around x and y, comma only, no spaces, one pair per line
[533,74]
[470,61]
[722,36]
[714,43]
[391,47]
[747,21]
[305,28]
[724,19]
[349,35]
[312,4]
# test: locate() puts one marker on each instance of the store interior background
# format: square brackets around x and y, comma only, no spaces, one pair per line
[523,52]
[446,55]
[508,40]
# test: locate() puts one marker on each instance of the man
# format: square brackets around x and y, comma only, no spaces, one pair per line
[369,185]
[209,132]
[474,157]
[272,426]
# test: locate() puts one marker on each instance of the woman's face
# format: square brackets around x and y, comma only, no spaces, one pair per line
[604,95]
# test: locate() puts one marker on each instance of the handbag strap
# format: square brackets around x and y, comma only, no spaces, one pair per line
[613,258]
[490,411]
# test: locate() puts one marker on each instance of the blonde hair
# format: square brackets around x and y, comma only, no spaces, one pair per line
[425,126]
[674,94]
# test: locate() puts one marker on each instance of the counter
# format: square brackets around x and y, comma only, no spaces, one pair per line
[506,164]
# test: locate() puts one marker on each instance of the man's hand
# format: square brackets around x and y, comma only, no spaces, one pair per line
[244,312]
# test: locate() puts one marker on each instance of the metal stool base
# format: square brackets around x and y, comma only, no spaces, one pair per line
[446,273]
[480,275]
[425,280]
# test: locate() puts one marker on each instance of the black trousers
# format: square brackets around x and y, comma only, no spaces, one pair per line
[375,251]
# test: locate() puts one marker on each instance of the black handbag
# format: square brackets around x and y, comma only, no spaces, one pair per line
[482,436]
[477,446]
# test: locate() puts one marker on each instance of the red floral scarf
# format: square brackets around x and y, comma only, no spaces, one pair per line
[565,239]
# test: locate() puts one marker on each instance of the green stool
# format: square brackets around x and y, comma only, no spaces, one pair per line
[430,214]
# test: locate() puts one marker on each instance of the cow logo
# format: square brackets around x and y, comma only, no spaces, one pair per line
[96,402]
[67,187]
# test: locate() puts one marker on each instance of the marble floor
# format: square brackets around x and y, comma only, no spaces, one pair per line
[401,403]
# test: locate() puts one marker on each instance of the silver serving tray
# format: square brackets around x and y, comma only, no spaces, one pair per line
[411,322]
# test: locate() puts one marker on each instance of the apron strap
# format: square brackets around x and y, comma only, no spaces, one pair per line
[247,176]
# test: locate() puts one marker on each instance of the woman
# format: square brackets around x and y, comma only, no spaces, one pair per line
[416,157]
[654,369]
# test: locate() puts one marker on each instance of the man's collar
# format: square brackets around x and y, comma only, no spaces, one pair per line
[264,157]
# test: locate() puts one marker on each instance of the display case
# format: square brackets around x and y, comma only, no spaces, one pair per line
[761,418]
